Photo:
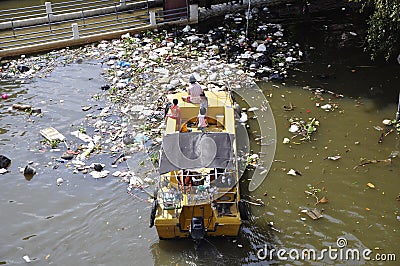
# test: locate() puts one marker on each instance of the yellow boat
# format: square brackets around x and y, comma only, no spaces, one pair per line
[198,191]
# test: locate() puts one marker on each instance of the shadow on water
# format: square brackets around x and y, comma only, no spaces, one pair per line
[211,251]
[335,59]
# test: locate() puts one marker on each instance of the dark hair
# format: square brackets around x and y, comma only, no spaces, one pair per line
[175,101]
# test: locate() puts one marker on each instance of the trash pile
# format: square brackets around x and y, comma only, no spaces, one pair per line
[302,128]
[257,46]
[140,70]
[5,163]
[390,126]
[25,68]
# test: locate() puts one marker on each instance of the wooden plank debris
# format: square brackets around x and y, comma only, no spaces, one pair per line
[52,134]
[314,214]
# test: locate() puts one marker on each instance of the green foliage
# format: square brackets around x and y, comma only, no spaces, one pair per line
[52,143]
[383,36]
[146,127]
[82,130]
[154,158]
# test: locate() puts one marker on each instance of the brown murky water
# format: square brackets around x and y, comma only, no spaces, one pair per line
[87,221]
[365,217]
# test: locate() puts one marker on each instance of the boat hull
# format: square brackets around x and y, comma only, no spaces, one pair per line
[166,229]
[198,193]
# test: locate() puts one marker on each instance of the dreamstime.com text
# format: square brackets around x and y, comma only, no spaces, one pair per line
[339,253]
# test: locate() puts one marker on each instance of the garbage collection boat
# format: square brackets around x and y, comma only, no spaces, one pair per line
[198,190]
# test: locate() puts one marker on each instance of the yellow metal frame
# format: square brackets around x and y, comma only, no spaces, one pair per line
[175,223]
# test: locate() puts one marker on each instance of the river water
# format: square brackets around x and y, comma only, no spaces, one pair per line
[94,221]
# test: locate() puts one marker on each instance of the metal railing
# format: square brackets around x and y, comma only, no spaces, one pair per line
[172,14]
[81,5]
[52,22]
[13,14]
[77,22]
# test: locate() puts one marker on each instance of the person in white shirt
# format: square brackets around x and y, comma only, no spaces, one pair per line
[194,90]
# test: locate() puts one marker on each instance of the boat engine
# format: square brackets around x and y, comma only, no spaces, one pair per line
[197,229]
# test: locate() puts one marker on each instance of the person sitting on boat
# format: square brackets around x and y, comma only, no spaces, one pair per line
[202,119]
[194,90]
[175,113]
[185,181]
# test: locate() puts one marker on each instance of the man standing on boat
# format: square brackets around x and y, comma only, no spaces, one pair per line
[194,90]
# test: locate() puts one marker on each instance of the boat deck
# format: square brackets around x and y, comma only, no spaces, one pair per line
[220,113]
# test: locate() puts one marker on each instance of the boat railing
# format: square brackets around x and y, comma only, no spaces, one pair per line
[202,191]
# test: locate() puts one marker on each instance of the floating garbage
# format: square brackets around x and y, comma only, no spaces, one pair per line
[294,128]
[252,109]
[59,181]
[370,185]
[373,161]
[394,154]
[87,151]
[314,214]
[271,224]
[67,156]
[22,107]
[305,129]
[3,171]
[334,158]
[293,172]
[261,48]
[243,117]
[314,192]
[52,134]
[135,181]
[323,200]
[123,64]
[28,170]
[5,162]
[326,106]
[101,174]
[23,68]
[27,259]
[105,87]
[86,108]
[139,138]
[98,166]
